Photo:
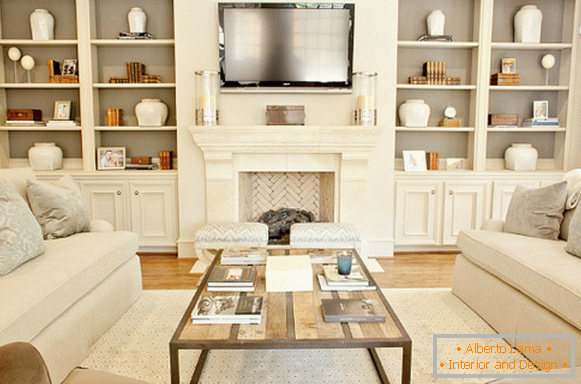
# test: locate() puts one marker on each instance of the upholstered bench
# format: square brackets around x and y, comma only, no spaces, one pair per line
[324,235]
[227,235]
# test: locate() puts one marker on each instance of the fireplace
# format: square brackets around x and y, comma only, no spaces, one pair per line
[336,156]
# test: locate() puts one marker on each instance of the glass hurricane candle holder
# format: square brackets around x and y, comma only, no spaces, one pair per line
[364,88]
[207,86]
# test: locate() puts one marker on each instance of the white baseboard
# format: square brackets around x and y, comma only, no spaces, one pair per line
[426,248]
[186,247]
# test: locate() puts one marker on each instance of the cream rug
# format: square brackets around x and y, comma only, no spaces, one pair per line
[138,344]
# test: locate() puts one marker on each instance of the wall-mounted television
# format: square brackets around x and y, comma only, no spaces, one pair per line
[268,46]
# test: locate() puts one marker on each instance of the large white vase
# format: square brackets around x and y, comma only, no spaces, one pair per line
[436,21]
[137,20]
[414,113]
[521,157]
[45,157]
[41,25]
[151,113]
[527,25]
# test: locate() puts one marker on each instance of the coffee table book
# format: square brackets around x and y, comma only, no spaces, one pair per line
[356,277]
[345,287]
[243,256]
[223,276]
[352,310]
[289,274]
[231,309]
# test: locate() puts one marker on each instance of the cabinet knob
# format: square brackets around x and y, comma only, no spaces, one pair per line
[451,192]
[136,193]
[118,192]
[433,191]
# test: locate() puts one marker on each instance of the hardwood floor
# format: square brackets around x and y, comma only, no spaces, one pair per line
[405,270]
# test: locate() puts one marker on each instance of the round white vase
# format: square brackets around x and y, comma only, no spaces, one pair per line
[41,25]
[436,21]
[521,157]
[414,113]
[45,157]
[137,20]
[527,25]
[151,113]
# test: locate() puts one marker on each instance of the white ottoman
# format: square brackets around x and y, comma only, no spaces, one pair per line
[228,235]
[324,235]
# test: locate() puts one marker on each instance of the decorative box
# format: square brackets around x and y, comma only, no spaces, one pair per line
[289,273]
[285,115]
[24,114]
[503,119]
[141,160]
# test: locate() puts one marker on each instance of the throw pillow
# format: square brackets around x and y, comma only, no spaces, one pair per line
[20,234]
[59,207]
[537,212]
[574,240]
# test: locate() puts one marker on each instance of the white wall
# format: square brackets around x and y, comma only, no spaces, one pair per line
[196,24]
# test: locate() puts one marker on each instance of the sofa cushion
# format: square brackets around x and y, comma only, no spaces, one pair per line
[537,212]
[539,268]
[18,178]
[39,291]
[20,234]
[566,223]
[574,239]
[58,207]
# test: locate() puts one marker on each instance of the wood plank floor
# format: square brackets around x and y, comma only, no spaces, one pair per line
[405,270]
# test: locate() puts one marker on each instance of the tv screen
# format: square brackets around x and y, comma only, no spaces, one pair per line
[286,45]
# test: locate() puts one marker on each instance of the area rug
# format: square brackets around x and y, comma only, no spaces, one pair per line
[138,345]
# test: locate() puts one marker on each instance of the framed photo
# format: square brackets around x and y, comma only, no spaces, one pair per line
[62,110]
[110,158]
[414,160]
[540,109]
[509,65]
[453,163]
[69,66]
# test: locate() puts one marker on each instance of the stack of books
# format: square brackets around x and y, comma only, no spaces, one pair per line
[62,123]
[24,117]
[135,74]
[331,280]
[232,279]
[234,309]
[352,310]
[165,160]
[505,79]
[243,256]
[540,122]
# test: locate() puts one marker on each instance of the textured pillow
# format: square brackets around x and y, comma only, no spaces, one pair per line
[59,208]
[566,223]
[537,212]
[574,240]
[20,234]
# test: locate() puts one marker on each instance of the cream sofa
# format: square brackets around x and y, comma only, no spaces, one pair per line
[65,299]
[521,285]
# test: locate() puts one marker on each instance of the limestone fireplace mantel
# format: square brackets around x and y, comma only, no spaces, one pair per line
[230,150]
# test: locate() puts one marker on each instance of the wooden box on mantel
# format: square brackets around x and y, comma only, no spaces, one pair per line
[285,115]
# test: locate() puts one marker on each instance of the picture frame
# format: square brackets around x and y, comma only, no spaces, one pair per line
[540,109]
[414,161]
[69,66]
[62,110]
[455,164]
[109,158]
[509,65]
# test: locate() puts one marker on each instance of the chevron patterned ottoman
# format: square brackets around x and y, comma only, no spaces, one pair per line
[224,235]
[324,235]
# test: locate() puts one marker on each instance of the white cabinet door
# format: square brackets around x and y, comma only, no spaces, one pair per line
[502,193]
[464,208]
[154,212]
[417,212]
[107,201]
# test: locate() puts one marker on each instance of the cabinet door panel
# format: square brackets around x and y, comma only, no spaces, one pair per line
[502,193]
[154,213]
[417,210]
[464,208]
[106,201]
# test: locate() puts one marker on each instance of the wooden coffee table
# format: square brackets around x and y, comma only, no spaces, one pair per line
[292,320]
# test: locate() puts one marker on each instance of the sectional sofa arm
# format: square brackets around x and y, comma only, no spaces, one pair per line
[101,226]
[495,225]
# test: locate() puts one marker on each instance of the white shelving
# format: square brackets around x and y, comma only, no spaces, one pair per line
[136,129]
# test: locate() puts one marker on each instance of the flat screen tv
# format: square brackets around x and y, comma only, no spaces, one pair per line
[286,45]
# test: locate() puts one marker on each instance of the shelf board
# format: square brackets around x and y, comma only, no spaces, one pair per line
[134,43]
[437,87]
[49,43]
[437,44]
[532,46]
[528,129]
[133,85]
[39,86]
[434,129]
[136,128]
[528,88]
[37,128]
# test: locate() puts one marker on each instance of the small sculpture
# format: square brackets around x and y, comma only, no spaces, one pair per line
[548,61]
[14,54]
[27,63]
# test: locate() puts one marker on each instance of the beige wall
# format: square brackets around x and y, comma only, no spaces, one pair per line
[196,24]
